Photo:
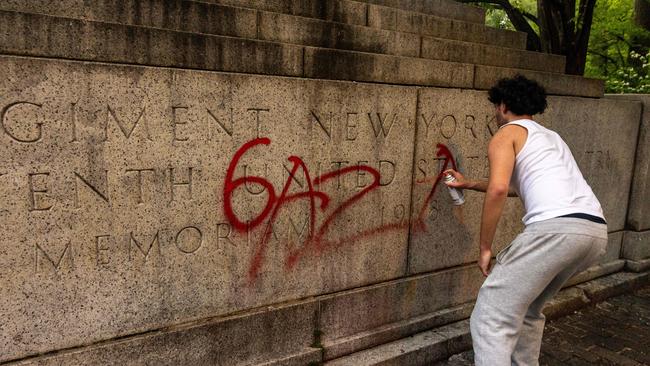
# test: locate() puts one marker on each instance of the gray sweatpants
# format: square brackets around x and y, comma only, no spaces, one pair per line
[507,321]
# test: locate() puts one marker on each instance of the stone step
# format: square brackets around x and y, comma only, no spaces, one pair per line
[420,349]
[230,21]
[389,18]
[442,8]
[46,36]
[430,25]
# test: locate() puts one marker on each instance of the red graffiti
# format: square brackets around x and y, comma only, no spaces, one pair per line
[316,239]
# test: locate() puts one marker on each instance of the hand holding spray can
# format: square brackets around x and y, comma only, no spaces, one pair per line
[456,193]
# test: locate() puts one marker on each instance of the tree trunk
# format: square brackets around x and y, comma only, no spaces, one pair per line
[642,13]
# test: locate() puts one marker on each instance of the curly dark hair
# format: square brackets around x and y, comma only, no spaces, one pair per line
[520,95]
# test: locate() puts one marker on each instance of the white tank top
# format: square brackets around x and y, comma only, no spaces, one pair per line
[547,177]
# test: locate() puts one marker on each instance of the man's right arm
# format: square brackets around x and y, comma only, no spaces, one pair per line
[474,185]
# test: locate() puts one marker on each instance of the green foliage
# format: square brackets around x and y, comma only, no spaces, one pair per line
[631,79]
[618,49]
[497,18]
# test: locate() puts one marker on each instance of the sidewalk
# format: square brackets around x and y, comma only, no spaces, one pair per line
[613,332]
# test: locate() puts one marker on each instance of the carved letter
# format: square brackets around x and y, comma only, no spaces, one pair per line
[257,118]
[33,198]
[328,131]
[56,264]
[103,196]
[4,117]
[469,124]
[225,236]
[144,251]
[452,119]
[190,231]
[226,129]
[383,181]
[187,183]
[176,122]
[140,200]
[110,114]
[349,127]
[427,123]
[360,173]
[99,248]
[379,126]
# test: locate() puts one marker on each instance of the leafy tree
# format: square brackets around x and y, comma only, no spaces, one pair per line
[561,26]
[618,49]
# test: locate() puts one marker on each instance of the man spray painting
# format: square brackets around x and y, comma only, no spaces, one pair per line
[565,230]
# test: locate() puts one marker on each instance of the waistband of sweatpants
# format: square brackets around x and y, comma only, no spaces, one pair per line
[568,225]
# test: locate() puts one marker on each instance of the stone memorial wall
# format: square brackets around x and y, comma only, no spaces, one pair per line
[188,215]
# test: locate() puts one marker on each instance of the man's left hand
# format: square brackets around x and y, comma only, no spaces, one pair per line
[484,261]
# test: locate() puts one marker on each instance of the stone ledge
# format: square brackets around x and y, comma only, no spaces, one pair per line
[596,271]
[637,266]
[433,345]
[346,345]
[616,284]
[487,76]
[443,8]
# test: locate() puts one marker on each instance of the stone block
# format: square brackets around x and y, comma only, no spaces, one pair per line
[96,41]
[186,16]
[420,349]
[487,76]
[565,302]
[280,336]
[637,266]
[364,313]
[137,198]
[613,285]
[346,345]
[322,63]
[596,271]
[344,11]
[312,32]
[639,211]
[430,25]
[636,245]
[442,8]
[460,123]
[458,51]
[605,155]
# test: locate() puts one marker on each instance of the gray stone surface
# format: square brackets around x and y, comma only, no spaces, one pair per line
[565,302]
[636,245]
[444,235]
[95,41]
[360,313]
[420,349]
[596,271]
[486,76]
[345,11]
[637,266]
[605,154]
[111,238]
[188,16]
[639,211]
[443,8]
[430,25]
[318,33]
[458,51]
[615,284]
[275,337]
[321,63]
[384,334]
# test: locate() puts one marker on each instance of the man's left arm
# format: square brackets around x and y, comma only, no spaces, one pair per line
[501,156]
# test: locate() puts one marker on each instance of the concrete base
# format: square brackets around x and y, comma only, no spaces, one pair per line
[433,345]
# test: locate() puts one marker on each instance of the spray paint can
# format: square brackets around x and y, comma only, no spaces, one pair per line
[456,193]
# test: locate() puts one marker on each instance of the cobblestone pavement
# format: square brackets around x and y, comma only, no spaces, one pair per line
[613,332]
